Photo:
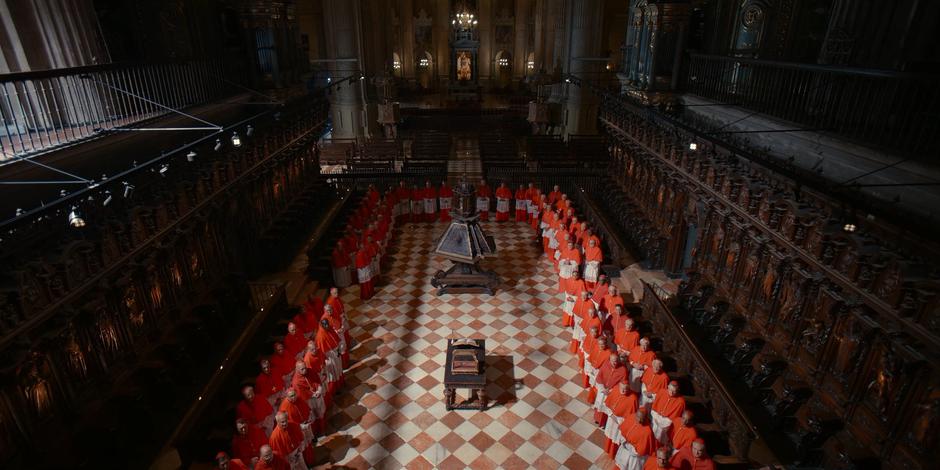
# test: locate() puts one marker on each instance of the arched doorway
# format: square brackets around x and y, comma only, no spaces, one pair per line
[503,79]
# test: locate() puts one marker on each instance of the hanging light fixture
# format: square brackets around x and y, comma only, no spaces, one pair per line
[164,168]
[849,228]
[128,190]
[218,145]
[693,146]
[107,198]
[75,218]
[236,140]
[191,156]
[250,130]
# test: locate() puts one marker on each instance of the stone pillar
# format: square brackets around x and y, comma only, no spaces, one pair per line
[406,18]
[521,30]
[440,35]
[485,31]
[584,45]
[341,23]
[557,60]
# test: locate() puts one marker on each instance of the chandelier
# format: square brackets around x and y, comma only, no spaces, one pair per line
[464,20]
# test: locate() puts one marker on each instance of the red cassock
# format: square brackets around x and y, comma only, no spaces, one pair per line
[326,340]
[609,377]
[655,383]
[653,464]
[554,197]
[267,385]
[684,460]
[277,463]
[681,436]
[237,464]
[627,340]
[590,321]
[313,310]
[295,342]
[281,363]
[640,435]
[337,323]
[503,196]
[485,191]
[610,301]
[417,198]
[640,357]
[430,194]
[297,411]
[599,292]
[305,385]
[340,311]
[622,406]
[314,363]
[446,196]
[366,286]
[284,441]
[522,201]
[254,412]
[340,258]
[248,446]
[670,407]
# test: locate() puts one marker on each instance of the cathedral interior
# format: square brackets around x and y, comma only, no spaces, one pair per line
[182,182]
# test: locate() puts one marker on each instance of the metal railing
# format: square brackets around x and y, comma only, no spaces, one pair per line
[42,110]
[892,110]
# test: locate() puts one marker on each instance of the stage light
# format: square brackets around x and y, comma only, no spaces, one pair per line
[107,198]
[693,146]
[75,218]
[128,190]
[849,228]
[218,145]
[236,140]
[191,156]
[249,131]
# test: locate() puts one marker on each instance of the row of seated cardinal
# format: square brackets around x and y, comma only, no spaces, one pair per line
[282,416]
[642,413]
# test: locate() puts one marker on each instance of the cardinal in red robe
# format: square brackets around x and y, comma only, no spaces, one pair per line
[295,406]
[622,403]
[224,462]
[639,442]
[683,432]
[288,441]
[336,323]
[281,362]
[627,338]
[327,343]
[267,384]
[503,196]
[610,374]
[270,461]
[693,457]
[666,408]
[247,441]
[254,409]
[598,355]
[294,340]
[312,311]
[446,197]
[659,460]
[364,271]
[430,202]
[521,204]
[612,298]
[336,303]
[403,196]
[484,193]
[655,381]
[554,196]
[340,261]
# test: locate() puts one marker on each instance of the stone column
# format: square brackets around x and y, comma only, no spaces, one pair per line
[341,23]
[521,30]
[557,60]
[440,33]
[584,45]
[406,18]
[485,31]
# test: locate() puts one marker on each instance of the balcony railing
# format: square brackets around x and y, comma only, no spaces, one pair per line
[41,110]
[895,111]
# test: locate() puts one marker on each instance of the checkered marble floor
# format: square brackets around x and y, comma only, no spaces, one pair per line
[392,414]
